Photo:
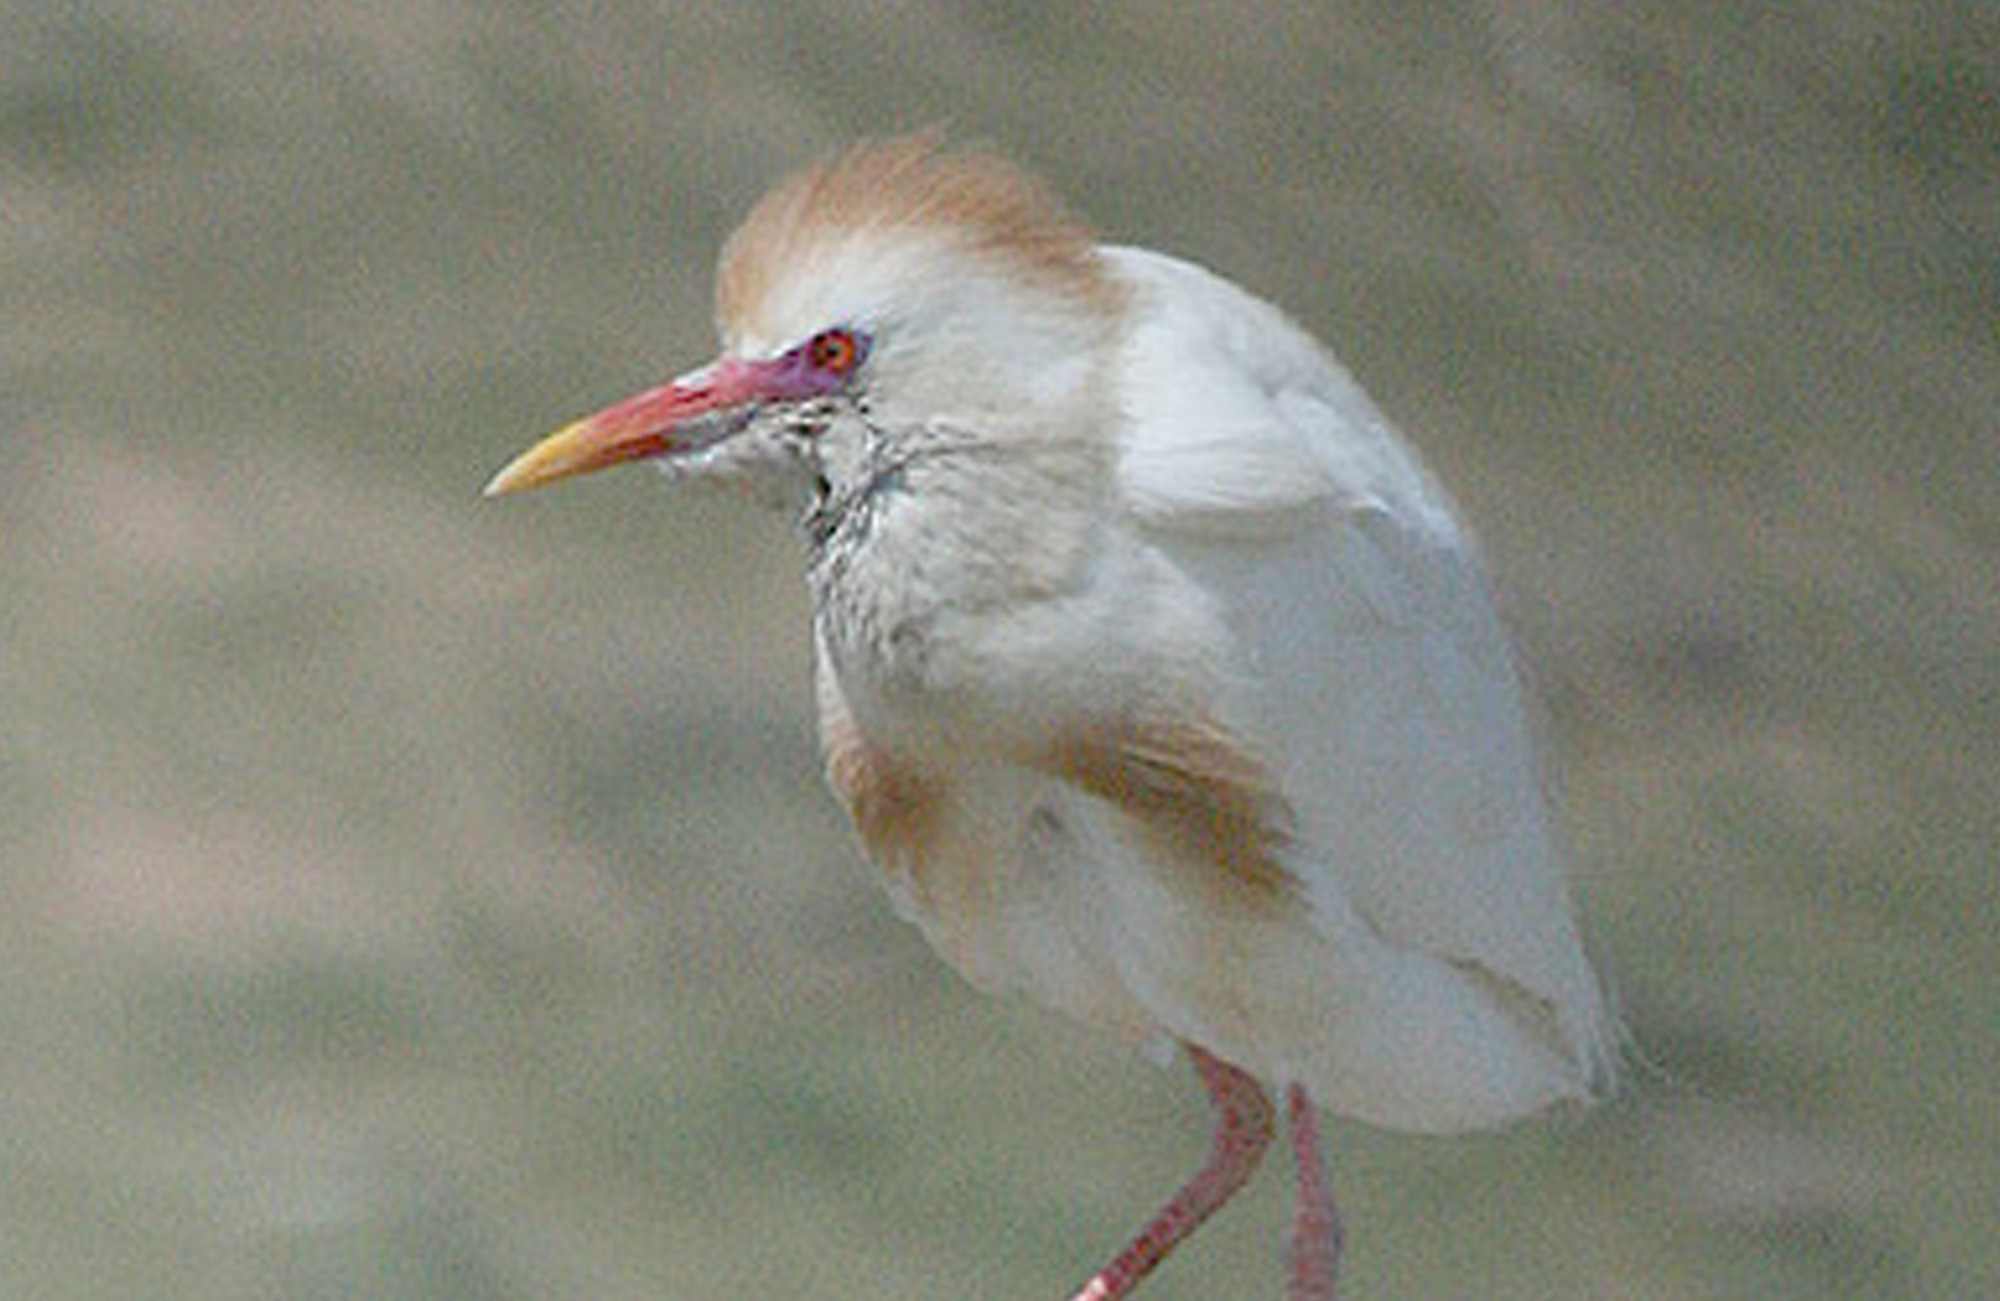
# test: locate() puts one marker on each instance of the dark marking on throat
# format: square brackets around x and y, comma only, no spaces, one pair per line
[848,511]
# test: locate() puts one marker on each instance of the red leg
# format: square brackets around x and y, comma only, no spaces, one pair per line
[1316,1235]
[1242,1132]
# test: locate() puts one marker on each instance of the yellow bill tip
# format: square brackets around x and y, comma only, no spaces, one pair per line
[572,449]
[510,479]
[643,425]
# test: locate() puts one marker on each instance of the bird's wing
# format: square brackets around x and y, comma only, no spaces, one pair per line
[1379,678]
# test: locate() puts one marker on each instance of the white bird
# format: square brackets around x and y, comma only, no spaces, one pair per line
[1156,673]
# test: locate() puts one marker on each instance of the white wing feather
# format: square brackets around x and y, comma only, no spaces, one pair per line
[1381,680]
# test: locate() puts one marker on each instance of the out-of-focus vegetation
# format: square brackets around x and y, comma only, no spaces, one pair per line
[408,897]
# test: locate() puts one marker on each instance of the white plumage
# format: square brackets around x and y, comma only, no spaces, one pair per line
[1154,669]
[1274,555]
[1375,670]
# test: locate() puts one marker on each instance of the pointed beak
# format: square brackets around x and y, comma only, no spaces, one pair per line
[685,415]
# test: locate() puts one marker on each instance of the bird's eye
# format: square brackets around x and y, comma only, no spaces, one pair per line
[834,351]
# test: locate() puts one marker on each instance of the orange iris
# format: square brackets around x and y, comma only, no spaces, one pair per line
[833,351]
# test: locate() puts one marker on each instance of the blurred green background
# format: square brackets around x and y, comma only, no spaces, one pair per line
[403,896]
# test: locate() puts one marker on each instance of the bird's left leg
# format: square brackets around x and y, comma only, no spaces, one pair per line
[1242,1132]
[1316,1234]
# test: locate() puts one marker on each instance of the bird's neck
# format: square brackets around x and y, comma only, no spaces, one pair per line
[852,483]
[922,542]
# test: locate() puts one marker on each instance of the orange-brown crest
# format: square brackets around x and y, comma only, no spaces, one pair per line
[910,183]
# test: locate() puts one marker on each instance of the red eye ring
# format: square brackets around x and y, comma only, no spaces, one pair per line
[833,351]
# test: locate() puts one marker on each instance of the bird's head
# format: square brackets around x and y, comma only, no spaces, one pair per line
[890,292]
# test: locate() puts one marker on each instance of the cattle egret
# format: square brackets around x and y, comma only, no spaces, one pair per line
[1155,671]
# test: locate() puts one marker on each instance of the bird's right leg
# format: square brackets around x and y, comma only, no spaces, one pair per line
[1316,1232]
[1242,1132]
